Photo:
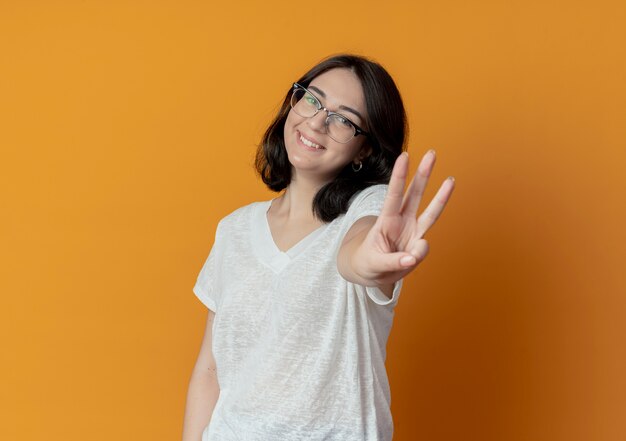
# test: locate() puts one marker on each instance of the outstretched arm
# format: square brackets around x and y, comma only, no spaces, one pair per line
[379,251]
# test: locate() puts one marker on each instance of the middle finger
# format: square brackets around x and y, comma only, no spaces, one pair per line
[416,189]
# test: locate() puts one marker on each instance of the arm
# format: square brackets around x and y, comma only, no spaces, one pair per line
[379,251]
[203,388]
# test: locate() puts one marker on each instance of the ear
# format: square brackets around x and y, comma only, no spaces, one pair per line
[365,151]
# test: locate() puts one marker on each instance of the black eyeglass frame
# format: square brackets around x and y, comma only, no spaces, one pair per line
[329,113]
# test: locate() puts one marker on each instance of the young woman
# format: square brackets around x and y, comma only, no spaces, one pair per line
[301,289]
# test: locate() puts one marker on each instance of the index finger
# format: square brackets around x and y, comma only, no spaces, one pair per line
[395,192]
[417,186]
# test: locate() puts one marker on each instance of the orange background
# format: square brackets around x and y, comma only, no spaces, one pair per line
[128,128]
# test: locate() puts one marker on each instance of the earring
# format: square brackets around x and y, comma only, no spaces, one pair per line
[358,167]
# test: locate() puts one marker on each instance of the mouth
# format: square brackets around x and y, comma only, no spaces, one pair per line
[309,143]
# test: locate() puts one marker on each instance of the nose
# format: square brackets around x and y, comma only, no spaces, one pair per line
[318,121]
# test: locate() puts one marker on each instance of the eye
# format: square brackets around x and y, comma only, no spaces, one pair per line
[310,99]
[343,121]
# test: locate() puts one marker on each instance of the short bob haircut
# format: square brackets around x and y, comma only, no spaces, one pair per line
[385,123]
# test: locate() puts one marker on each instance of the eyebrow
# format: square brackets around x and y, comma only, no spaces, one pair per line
[346,108]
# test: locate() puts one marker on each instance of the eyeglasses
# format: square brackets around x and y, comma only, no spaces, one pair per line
[338,127]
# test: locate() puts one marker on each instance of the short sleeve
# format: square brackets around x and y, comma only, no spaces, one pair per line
[205,287]
[379,297]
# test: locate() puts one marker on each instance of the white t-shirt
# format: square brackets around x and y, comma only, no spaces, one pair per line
[300,351]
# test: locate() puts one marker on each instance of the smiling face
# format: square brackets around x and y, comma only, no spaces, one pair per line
[313,154]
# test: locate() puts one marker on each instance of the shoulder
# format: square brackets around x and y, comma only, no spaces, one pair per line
[372,190]
[369,197]
[239,217]
[367,202]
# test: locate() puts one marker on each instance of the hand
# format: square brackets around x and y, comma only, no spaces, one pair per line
[395,244]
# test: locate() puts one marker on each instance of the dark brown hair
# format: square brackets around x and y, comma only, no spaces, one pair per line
[385,123]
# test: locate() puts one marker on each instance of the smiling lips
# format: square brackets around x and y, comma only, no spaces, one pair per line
[309,143]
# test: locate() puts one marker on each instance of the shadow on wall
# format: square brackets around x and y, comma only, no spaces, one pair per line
[492,328]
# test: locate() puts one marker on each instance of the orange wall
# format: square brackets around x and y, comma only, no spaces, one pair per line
[127,130]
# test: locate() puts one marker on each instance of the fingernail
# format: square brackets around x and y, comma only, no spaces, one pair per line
[451,178]
[432,151]
[407,261]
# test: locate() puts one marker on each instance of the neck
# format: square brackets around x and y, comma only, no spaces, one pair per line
[297,200]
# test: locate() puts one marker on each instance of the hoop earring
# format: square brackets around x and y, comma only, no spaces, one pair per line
[358,167]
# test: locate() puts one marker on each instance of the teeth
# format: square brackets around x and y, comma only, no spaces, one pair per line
[309,143]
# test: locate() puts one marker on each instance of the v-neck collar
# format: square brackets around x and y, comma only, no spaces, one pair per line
[265,247]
